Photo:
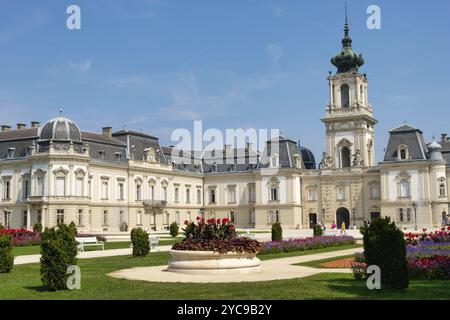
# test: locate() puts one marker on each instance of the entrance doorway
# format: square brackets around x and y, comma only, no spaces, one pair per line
[343,216]
[312,220]
[374,216]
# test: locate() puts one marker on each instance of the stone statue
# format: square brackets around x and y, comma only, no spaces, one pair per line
[326,162]
[357,159]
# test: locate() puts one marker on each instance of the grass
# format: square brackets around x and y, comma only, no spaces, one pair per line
[23,251]
[24,283]
[316,264]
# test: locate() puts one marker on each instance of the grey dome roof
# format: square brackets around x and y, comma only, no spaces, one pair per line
[60,129]
[308,158]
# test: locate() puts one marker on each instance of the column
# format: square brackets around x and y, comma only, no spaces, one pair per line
[28,218]
[44,217]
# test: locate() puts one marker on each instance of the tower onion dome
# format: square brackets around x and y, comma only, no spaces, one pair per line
[347,60]
[60,129]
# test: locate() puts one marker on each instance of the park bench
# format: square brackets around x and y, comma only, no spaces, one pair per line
[89,242]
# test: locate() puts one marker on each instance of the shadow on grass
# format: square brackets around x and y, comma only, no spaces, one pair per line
[37,288]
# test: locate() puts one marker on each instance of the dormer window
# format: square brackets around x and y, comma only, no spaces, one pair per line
[102,154]
[403,153]
[118,155]
[274,163]
[11,152]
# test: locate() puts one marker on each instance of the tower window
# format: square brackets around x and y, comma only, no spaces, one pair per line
[345,96]
[345,154]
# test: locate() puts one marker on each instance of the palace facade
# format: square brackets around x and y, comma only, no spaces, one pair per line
[111,180]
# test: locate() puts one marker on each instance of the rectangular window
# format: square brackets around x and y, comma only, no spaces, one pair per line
[166,218]
[189,216]
[139,218]
[79,187]
[153,219]
[212,196]
[105,218]
[312,195]
[40,186]
[121,216]
[188,195]
[341,193]
[274,194]
[120,191]
[24,218]
[177,217]
[104,191]
[199,196]
[152,192]
[252,217]
[232,216]
[80,218]
[26,188]
[401,215]
[177,195]
[374,194]
[60,186]
[251,194]
[408,215]
[59,216]
[39,216]
[231,194]
[7,190]
[138,192]
[164,194]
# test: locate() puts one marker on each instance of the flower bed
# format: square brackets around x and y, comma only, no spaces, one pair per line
[239,245]
[442,235]
[292,245]
[427,260]
[22,237]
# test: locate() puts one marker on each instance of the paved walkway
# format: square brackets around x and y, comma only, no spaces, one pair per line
[275,269]
[35,258]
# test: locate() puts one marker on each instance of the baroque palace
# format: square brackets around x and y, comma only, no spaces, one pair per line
[112,180]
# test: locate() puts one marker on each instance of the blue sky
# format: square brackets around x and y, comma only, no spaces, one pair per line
[157,65]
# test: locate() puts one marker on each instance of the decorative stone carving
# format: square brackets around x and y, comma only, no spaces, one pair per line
[326,162]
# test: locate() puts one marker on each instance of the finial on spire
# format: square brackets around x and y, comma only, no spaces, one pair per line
[60,112]
[346,28]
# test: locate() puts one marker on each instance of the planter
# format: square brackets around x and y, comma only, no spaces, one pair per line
[209,262]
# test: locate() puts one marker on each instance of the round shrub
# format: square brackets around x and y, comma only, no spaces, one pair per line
[6,257]
[174,229]
[140,241]
[385,246]
[277,232]
[58,252]
[317,230]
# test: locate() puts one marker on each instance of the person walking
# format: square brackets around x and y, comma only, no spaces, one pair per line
[343,229]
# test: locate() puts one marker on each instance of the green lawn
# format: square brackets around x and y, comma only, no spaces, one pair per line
[307,252]
[24,283]
[22,251]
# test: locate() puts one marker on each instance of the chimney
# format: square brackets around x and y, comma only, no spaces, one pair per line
[444,137]
[21,126]
[5,128]
[107,132]
[35,124]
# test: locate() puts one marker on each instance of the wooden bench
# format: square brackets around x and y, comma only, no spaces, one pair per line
[89,242]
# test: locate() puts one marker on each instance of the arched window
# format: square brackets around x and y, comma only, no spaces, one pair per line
[345,96]
[403,153]
[345,154]
[442,190]
[404,189]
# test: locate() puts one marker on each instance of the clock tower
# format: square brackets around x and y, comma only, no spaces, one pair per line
[348,120]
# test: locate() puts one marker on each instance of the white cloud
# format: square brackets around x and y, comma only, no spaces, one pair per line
[275,52]
[82,66]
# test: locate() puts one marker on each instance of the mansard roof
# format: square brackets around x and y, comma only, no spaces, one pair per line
[410,137]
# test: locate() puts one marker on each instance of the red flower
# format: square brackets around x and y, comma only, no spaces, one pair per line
[186,222]
[218,221]
[198,218]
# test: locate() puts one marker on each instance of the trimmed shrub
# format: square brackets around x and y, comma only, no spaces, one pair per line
[37,228]
[385,246]
[59,251]
[317,230]
[174,229]
[277,232]
[123,227]
[6,257]
[140,241]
